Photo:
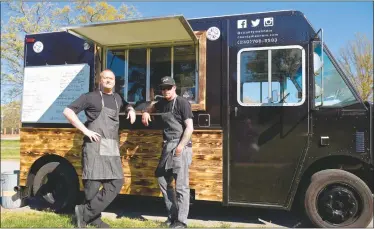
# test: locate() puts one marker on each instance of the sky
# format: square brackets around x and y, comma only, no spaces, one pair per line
[340,20]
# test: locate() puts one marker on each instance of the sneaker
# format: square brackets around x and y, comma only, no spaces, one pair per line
[79,216]
[178,224]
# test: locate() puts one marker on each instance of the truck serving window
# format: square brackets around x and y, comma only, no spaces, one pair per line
[135,78]
[336,92]
[271,76]
[139,56]
[138,71]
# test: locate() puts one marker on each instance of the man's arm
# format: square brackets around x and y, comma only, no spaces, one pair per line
[150,108]
[131,113]
[74,120]
[186,136]
[128,108]
[187,116]
[146,113]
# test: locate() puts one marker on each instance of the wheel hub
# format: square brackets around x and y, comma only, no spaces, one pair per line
[338,204]
[53,187]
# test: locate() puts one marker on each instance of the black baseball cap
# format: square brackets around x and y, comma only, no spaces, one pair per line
[167,81]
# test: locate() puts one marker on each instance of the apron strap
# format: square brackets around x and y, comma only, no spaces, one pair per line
[174,101]
[115,101]
[101,96]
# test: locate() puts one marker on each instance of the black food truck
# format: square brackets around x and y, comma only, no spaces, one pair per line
[276,120]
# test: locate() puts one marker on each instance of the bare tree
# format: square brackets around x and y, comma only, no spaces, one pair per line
[356,59]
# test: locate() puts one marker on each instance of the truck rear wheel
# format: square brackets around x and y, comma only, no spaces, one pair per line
[336,198]
[56,186]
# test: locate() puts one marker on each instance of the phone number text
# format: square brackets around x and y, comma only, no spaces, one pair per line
[257,41]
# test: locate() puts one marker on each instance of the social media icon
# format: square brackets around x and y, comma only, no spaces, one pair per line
[255,23]
[268,21]
[241,24]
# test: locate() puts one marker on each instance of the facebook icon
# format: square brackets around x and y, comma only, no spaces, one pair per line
[241,24]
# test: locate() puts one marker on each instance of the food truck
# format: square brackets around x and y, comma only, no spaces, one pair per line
[276,120]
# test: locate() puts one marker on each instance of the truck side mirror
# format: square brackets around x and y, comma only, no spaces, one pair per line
[318,70]
[275,97]
[317,64]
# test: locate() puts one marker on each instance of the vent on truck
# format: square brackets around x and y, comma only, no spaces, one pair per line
[360,142]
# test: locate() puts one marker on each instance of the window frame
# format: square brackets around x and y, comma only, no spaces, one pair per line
[148,58]
[200,70]
[201,47]
[269,49]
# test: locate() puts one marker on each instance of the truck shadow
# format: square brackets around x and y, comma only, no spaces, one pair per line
[139,207]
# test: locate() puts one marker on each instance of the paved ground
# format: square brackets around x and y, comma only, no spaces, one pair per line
[10,137]
[10,165]
[201,212]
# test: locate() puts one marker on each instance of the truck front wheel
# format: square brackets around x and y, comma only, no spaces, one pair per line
[56,186]
[337,198]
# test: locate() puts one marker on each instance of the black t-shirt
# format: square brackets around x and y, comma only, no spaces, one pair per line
[181,111]
[91,103]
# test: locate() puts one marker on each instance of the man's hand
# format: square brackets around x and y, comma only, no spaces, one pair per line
[146,118]
[92,135]
[179,150]
[131,115]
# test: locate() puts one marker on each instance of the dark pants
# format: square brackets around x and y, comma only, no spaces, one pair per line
[97,200]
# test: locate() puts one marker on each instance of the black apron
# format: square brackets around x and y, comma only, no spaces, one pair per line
[101,160]
[172,133]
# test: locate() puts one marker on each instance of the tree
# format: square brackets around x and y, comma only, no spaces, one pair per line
[356,59]
[10,115]
[31,17]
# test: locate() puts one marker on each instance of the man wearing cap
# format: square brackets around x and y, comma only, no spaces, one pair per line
[176,154]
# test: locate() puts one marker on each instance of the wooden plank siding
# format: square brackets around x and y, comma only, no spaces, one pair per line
[202,51]
[140,152]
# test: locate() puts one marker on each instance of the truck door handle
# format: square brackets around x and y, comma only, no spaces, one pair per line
[235,111]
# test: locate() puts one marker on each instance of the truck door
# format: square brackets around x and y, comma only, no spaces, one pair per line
[268,123]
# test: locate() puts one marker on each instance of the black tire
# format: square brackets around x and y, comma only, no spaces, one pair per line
[56,185]
[337,198]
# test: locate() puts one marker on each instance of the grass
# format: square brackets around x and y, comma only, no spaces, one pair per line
[51,220]
[34,219]
[10,149]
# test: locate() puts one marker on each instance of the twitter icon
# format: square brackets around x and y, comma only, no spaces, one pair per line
[255,23]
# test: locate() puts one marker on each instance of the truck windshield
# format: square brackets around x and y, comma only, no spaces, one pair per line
[336,92]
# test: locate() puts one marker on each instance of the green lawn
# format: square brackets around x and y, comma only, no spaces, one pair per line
[51,220]
[10,149]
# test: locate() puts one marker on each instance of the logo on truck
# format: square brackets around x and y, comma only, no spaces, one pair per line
[241,24]
[255,23]
[268,21]
[38,47]
[213,33]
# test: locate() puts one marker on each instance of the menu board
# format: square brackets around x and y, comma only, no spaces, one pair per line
[47,90]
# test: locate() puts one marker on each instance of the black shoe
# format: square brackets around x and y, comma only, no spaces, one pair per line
[178,224]
[98,223]
[168,222]
[79,216]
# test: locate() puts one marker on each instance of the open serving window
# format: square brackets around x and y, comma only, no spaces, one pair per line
[141,52]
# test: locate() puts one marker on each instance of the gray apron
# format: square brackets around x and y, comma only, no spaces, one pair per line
[101,160]
[172,134]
